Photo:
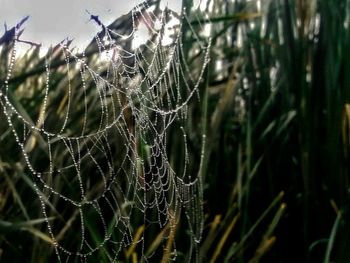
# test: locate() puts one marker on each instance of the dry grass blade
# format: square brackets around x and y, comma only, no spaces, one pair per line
[268,240]
[210,237]
[224,239]
[40,235]
[137,237]
[262,249]
[170,241]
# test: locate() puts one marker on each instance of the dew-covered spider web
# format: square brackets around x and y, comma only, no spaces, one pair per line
[99,146]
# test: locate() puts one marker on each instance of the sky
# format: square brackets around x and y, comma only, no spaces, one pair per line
[51,21]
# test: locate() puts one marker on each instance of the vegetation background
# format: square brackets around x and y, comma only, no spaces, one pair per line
[275,106]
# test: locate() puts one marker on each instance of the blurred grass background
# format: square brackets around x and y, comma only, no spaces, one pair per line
[275,107]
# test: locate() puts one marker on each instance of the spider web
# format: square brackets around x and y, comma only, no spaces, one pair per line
[99,149]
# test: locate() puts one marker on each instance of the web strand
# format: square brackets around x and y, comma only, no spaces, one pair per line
[116,167]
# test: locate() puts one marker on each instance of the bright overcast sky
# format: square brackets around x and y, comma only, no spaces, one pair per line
[51,21]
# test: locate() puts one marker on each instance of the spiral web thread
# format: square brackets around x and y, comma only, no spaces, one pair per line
[102,175]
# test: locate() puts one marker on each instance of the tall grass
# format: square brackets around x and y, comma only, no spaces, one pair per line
[293,135]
